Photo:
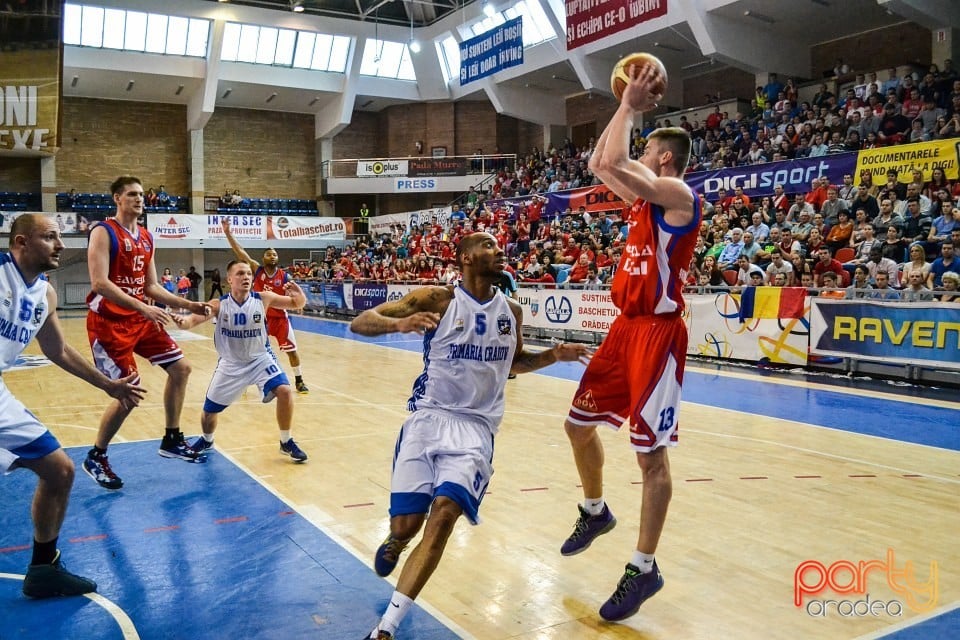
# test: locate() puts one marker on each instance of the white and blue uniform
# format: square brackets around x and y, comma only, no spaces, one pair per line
[245,356]
[23,310]
[446,446]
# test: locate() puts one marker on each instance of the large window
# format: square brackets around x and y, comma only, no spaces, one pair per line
[449,52]
[387,60]
[536,26]
[285,47]
[89,26]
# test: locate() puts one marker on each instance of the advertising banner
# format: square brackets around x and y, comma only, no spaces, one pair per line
[380,225]
[30,78]
[590,20]
[919,333]
[493,51]
[716,331]
[304,228]
[759,179]
[437,167]
[378,168]
[595,198]
[362,295]
[926,156]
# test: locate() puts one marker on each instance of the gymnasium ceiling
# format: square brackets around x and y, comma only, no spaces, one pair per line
[399,12]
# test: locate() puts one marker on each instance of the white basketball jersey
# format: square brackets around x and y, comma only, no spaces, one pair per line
[241,334]
[23,310]
[467,359]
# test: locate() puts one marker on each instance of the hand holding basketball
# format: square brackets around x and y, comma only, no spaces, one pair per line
[639,81]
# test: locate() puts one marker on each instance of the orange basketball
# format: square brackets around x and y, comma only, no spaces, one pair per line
[619,78]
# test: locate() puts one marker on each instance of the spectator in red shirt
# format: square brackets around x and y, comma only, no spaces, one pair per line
[825,263]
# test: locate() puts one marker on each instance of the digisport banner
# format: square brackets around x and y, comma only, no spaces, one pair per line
[926,156]
[492,51]
[907,333]
[312,228]
[30,77]
[596,198]
[377,168]
[758,179]
[437,167]
[363,296]
[716,331]
[589,20]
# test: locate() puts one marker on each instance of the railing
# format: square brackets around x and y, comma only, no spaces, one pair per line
[418,166]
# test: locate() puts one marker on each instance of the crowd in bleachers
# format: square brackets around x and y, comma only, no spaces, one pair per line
[97,206]
[234,203]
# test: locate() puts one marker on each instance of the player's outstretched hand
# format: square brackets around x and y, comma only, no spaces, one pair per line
[199,308]
[156,314]
[124,390]
[420,322]
[225,223]
[568,352]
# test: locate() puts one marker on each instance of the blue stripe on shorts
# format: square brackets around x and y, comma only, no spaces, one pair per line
[462,497]
[38,448]
[404,504]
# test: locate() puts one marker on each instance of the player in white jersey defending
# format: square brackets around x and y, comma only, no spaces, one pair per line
[245,357]
[442,463]
[30,309]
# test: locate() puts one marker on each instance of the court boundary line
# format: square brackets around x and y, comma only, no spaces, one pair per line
[340,542]
[127,628]
[906,624]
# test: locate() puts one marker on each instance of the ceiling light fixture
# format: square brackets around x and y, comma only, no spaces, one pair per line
[226,94]
[668,47]
[413,44]
[75,80]
[696,65]
[314,101]
[179,90]
[296,6]
[130,84]
[488,10]
[758,16]
[271,98]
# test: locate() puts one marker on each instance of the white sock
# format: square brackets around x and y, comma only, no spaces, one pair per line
[642,561]
[396,611]
[208,437]
[593,506]
[284,436]
[296,372]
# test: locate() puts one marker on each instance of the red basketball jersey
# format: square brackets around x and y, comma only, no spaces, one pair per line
[274,284]
[649,279]
[130,256]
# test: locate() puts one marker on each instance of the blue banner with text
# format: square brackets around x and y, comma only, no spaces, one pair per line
[493,51]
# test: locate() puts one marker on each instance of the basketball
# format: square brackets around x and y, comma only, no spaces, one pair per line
[620,76]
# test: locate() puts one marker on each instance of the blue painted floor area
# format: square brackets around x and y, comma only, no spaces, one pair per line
[944,626]
[901,421]
[191,551]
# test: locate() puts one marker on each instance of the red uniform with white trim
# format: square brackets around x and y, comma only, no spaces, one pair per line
[637,372]
[278,322]
[115,332]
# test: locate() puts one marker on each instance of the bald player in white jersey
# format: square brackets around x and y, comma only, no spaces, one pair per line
[443,459]
[245,357]
[28,309]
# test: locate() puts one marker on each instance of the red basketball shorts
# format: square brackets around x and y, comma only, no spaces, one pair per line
[635,376]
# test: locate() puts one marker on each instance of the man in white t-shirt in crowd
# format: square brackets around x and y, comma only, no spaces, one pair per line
[779,266]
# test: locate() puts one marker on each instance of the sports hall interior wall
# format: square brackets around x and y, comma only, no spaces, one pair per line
[262,153]
[875,50]
[103,139]
[19,174]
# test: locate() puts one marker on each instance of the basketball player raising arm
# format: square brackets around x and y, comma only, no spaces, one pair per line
[636,374]
[442,462]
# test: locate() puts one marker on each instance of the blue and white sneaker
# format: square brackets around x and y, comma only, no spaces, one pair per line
[98,467]
[176,447]
[201,446]
[290,448]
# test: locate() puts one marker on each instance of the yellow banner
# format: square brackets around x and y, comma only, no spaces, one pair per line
[30,70]
[926,156]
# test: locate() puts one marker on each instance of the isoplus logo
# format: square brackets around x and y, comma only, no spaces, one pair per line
[853,579]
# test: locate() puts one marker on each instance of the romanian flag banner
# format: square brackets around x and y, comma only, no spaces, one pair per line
[772,302]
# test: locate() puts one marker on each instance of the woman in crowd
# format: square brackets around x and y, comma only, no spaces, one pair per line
[917,261]
[840,234]
[951,287]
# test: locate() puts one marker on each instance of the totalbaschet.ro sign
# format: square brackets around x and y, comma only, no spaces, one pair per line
[814,584]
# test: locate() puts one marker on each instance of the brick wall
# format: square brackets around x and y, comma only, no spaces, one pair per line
[360,139]
[906,43]
[103,139]
[508,133]
[529,135]
[261,153]
[476,124]
[19,174]
[586,108]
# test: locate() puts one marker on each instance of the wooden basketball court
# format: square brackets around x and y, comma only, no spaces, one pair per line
[754,495]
